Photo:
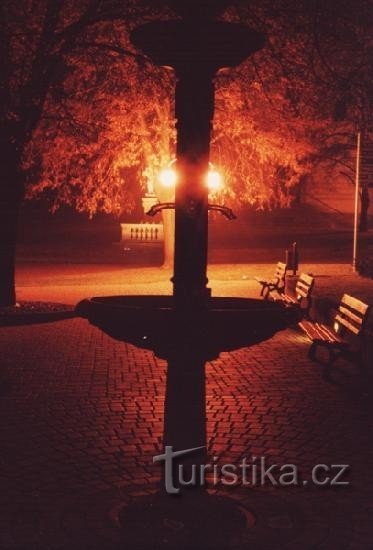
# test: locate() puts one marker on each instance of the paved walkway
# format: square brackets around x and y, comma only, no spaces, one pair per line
[70,283]
[81,416]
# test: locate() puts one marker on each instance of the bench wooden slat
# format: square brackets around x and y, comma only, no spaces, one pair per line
[304,285]
[280,271]
[290,299]
[276,283]
[358,319]
[319,332]
[327,334]
[347,324]
[307,279]
[348,319]
[279,274]
[277,296]
[351,316]
[303,291]
[281,266]
[354,303]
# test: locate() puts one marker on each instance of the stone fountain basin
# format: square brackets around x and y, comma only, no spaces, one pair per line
[152,322]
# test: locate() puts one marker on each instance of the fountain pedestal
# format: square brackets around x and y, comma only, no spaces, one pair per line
[190,327]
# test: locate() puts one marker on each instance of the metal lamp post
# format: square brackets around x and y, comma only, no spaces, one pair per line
[196,49]
[356,206]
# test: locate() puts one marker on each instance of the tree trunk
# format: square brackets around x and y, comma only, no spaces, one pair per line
[168,217]
[365,202]
[8,239]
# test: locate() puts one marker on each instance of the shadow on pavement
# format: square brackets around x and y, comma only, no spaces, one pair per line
[30,313]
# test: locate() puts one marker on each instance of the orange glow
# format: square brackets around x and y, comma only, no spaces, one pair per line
[168,177]
[214,180]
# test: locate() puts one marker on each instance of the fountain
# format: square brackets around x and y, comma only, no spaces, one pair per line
[190,327]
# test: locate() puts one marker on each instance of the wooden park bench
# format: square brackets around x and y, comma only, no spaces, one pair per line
[346,337]
[302,295]
[277,283]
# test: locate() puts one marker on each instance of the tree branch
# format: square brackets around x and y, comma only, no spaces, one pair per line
[114,49]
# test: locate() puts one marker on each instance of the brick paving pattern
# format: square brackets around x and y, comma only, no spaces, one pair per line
[81,416]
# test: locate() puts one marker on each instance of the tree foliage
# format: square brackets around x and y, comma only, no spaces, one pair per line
[96,108]
[113,114]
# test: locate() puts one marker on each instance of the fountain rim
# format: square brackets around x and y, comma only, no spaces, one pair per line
[167,330]
[166,303]
[185,44]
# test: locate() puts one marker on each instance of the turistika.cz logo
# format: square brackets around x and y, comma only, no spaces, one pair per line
[254,472]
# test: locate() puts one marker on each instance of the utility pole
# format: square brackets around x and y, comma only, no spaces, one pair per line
[356,213]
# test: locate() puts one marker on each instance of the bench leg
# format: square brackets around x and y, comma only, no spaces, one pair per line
[307,310]
[266,291]
[312,351]
[333,356]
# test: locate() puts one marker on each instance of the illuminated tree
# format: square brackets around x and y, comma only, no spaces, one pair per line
[36,40]
[319,58]
[270,126]
[79,106]
[264,150]
[83,148]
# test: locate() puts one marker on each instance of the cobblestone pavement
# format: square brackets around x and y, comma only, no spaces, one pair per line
[81,417]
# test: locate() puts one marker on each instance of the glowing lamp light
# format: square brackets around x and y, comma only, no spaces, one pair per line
[168,177]
[214,180]
[336,326]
